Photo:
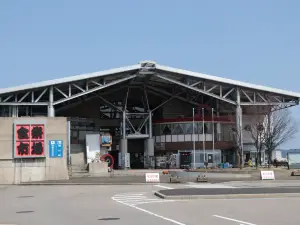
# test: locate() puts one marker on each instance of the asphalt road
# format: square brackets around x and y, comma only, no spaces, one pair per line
[135,205]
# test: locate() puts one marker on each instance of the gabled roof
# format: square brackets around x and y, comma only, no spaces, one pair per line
[159,67]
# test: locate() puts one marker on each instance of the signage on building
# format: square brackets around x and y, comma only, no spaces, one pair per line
[152,178]
[106,140]
[56,149]
[29,140]
[267,175]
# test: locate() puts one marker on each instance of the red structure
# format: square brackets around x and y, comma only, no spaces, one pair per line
[29,140]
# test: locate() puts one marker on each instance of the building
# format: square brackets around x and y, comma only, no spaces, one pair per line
[146,109]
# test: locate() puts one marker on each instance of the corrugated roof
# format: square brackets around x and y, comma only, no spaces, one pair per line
[159,67]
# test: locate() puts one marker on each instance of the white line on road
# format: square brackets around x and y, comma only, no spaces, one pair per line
[153,214]
[234,220]
[161,186]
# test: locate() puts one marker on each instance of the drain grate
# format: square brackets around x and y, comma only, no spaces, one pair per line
[107,219]
[26,196]
[25,212]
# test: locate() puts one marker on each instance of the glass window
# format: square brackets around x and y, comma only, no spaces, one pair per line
[166,129]
[178,129]
[199,128]
[157,129]
[189,128]
[201,157]
[208,128]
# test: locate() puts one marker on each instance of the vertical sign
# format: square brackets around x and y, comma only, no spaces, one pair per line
[56,148]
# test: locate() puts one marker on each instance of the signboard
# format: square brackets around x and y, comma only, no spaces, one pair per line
[152,178]
[106,140]
[56,149]
[267,175]
[29,139]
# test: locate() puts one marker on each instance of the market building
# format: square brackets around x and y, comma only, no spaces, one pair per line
[141,116]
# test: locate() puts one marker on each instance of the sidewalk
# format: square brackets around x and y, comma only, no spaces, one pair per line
[128,177]
[223,193]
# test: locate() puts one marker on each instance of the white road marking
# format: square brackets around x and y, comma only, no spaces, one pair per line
[234,220]
[161,186]
[152,214]
[136,199]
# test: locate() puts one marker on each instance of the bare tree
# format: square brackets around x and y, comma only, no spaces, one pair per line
[236,138]
[257,133]
[279,127]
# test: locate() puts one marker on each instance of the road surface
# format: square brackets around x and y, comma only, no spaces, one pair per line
[135,205]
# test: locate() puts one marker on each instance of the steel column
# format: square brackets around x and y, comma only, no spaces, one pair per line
[51,112]
[124,125]
[150,124]
[239,126]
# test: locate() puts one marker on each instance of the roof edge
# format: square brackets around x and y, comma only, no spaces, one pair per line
[228,81]
[69,79]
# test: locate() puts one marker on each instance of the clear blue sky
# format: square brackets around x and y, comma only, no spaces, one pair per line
[255,41]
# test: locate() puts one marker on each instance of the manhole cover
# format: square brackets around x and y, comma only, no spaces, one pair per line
[25,212]
[26,196]
[109,219]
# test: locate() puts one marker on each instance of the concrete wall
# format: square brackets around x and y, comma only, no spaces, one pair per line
[14,171]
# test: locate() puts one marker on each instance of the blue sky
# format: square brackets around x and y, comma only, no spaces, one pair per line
[254,41]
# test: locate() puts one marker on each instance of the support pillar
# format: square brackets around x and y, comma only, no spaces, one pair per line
[51,111]
[150,124]
[239,125]
[219,133]
[124,142]
[124,151]
[14,111]
[149,161]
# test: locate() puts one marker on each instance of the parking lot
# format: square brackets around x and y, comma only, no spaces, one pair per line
[135,204]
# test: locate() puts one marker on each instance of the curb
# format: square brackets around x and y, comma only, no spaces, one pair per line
[229,196]
[76,184]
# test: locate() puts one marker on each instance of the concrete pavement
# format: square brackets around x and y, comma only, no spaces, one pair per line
[135,205]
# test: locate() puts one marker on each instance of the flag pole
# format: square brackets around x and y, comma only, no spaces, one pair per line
[213,135]
[194,141]
[203,137]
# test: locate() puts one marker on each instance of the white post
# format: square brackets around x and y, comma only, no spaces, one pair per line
[213,134]
[194,141]
[203,136]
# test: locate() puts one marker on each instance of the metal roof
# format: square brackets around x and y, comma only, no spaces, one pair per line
[159,67]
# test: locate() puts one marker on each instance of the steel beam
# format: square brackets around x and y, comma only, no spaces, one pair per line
[61,92]
[196,89]
[24,96]
[171,95]
[268,103]
[24,103]
[110,104]
[95,89]
[41,95]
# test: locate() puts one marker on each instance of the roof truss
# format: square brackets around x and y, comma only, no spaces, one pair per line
[157,80]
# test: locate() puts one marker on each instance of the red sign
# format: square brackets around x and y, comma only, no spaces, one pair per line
[29,140]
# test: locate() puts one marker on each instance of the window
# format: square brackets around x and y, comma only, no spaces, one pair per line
[208,128]
[179,129]
[189,128]
[156,129]
[165,129]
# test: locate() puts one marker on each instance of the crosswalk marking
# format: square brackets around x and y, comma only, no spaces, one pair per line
[133,199]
